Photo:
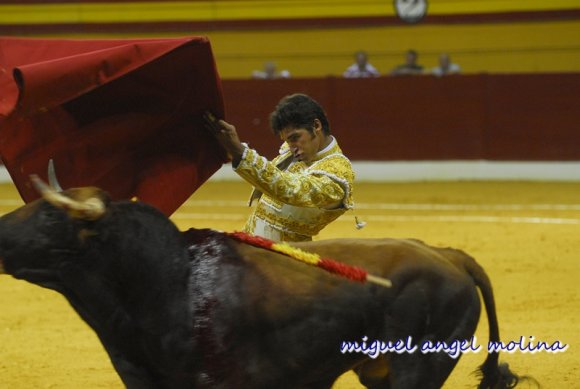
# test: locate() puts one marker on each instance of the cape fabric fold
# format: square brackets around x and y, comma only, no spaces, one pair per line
[123,115]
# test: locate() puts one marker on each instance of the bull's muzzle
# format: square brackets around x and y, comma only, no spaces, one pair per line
[89,209]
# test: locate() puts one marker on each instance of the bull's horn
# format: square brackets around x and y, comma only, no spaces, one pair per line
[52,180]
[90,209]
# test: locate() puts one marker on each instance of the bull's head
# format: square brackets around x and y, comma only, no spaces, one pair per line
[122,265]
[36,239]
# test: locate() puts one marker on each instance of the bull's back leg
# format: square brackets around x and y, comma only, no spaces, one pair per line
[374,373]
[429,370]
[414,313]
[420,371]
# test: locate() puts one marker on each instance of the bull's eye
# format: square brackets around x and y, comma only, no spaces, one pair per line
[49,217]
[53,226]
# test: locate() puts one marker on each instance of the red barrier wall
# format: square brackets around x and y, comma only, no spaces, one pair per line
[516,117]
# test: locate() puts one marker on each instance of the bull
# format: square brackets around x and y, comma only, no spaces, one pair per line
[198,309]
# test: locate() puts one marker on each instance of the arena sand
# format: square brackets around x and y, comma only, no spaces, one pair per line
[525,234]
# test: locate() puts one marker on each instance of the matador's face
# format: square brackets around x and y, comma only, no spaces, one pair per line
[303,143]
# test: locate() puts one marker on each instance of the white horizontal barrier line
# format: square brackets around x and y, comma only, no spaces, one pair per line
[479,170]
[471,207]
[415,206]
[396,218]
[412,171]
[472,219]
[402,218]
[384,206]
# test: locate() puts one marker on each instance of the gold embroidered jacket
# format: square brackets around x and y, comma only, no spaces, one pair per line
[300,201]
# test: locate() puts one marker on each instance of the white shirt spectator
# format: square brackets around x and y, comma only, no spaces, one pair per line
[270,72]
[445,66]
[361,68]
[354,71]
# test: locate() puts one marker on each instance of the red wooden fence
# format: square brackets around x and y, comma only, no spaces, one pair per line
[509,117]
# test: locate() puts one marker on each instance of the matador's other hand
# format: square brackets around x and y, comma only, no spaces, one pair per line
[226,135]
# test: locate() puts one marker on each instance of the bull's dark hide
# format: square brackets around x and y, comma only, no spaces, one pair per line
[197,309]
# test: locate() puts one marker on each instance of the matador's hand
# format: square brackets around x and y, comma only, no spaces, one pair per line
[226,135]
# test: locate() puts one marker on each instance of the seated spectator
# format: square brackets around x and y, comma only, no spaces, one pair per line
[361,68]
[410,66]
[445,66]
[269,72]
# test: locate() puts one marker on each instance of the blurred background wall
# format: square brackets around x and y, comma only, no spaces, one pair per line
[517,98]
[317,38]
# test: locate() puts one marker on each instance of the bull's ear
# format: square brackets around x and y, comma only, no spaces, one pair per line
[89,208]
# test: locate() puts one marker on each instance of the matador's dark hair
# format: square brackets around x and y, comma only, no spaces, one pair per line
[298,111]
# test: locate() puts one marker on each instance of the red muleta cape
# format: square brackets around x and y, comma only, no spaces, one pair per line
[123,115]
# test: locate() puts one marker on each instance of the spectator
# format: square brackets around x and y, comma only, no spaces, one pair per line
[269,72]
[361,68]
[445,66]
[410,66]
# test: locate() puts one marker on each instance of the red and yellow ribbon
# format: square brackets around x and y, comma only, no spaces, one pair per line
[353,273]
